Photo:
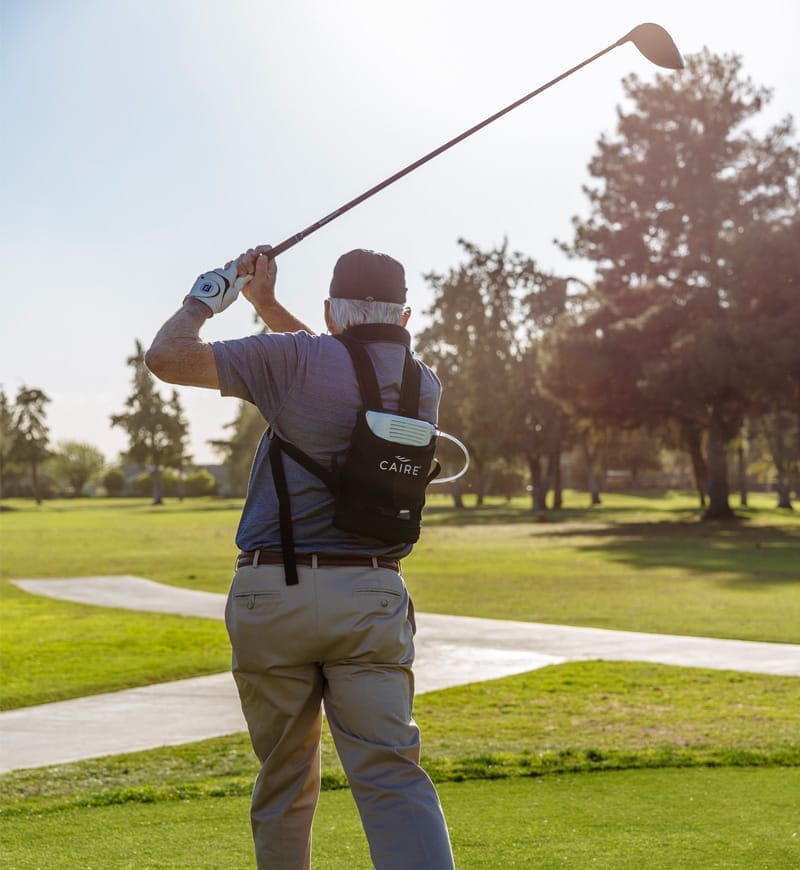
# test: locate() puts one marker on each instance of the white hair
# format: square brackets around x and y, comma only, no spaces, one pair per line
[351,312]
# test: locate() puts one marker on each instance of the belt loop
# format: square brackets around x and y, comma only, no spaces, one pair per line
[374,561]
[256,554]
[314,562]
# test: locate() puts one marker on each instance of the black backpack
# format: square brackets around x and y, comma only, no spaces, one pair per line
[380,486]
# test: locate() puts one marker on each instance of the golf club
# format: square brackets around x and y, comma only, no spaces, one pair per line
[652,41]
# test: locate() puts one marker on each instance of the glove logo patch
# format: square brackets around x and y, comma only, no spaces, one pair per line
[213,288]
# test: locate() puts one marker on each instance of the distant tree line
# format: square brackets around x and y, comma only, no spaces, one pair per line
[157,433]
[29,466]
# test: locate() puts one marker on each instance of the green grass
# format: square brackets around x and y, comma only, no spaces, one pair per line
[670,578]
[184,543]
[601,764]
[579,716]
[55,650]
[677,768]
[639,562]
[723,819]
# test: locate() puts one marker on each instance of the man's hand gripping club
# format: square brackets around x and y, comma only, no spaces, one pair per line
[220,288]
[254,273]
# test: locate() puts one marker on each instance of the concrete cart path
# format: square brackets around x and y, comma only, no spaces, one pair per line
[451,650]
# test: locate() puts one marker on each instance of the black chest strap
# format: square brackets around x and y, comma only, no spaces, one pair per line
[368,381]
[371,397]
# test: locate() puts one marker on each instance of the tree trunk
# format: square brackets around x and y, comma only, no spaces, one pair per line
[795,475]
[35,481]
[784,488]
[484,484]
[742,475]
[718,493]
[538,489]
[776,438]
[456,493]
[554,474]
[594,488]
[783,482]
[591,476]
[156,477]
[693,438]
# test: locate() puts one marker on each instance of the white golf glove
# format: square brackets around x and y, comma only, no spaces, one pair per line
[219,288]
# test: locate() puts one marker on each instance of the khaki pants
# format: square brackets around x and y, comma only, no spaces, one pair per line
[342,636]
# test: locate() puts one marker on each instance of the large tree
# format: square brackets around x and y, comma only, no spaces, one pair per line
[681,187]
[30,433]
[471,343]
[540,428]
[486,320]
[76,463]
[156,428]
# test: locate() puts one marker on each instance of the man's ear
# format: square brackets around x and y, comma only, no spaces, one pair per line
[406,315]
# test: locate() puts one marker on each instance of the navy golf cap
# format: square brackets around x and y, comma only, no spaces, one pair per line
[368,275]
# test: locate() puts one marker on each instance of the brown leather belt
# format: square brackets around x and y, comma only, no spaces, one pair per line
[323,560]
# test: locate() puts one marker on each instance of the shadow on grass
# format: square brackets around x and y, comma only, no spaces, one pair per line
[493,514]
[752,555]
[132,504]
[173,506]
[170,505]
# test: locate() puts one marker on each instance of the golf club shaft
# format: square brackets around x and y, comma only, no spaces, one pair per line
[298,237]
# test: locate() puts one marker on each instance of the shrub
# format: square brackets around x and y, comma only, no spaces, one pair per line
[200,482]
[170,483]
[114,482]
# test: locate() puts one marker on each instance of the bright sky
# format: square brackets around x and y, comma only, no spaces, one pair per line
[145,141]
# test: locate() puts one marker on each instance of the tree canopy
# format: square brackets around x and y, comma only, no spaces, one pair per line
[674,326]
[30,433]
[76,463]
[486,319]
[156,427]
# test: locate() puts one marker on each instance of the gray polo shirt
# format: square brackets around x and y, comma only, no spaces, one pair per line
[306,388]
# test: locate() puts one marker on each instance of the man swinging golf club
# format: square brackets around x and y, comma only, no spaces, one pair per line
[318,612]
[318,609]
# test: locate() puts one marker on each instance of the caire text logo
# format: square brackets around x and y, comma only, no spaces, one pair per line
[400,465]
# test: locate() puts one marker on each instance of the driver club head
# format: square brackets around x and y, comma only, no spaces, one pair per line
[656,45]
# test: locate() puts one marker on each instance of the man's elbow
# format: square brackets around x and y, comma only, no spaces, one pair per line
[183,364]
[160,362]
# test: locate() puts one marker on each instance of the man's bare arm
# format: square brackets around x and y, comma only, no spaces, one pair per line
[260,292]
[278,318]
[178,355]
